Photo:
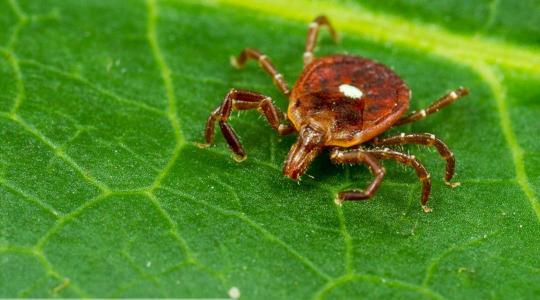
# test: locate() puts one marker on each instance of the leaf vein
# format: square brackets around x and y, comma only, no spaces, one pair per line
[432,267]
[151,34]
[57,151]
[248,221]
[394,283]
[173,226]
[31,199]
[78,78]
[60,223]
[499,92]
[21,94]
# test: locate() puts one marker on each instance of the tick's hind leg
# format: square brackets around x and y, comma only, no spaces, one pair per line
[421,171]
[265,63]
[428,140]
[434,107]
[353,157]
[243,100]
[311,39]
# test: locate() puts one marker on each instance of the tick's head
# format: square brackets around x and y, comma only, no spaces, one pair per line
[310,142]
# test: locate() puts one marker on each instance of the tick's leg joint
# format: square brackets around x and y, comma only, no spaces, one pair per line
[264,63]
[409,160]
[358,156]
[434,107]
[242,100]
[311,40]
[428,140]
[308,57]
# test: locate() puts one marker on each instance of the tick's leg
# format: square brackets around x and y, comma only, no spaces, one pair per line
[428,140]
[265,63]
[353,157]
[434,107]
[409,160]
[243,100]
[311,40]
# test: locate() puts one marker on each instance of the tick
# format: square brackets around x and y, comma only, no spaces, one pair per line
[340,103]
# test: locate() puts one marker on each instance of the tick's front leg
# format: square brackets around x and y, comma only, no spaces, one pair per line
[243,100]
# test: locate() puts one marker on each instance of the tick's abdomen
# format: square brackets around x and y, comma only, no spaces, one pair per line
[352,98]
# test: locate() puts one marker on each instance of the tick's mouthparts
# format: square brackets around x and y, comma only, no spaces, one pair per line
[302,153]
[299,160]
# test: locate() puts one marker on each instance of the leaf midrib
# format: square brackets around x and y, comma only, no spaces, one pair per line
[460,48]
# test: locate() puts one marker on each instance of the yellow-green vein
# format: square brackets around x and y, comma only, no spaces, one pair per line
[14,63]
[151,35]
[348,278]
[381,27]
[499,92]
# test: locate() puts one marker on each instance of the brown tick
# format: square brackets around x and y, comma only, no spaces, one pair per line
[342,103]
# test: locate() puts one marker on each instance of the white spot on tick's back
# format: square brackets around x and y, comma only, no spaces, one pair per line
[351,91]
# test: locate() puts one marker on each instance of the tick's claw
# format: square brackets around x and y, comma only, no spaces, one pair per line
[235,63]
[426,209]
[462,91]
[202,145]
[452,184]
[338,201]
[239,158]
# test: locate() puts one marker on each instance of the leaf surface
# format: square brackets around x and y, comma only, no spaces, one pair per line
[104,192]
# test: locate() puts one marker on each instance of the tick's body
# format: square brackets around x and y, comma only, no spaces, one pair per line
[342,103]
[354,98]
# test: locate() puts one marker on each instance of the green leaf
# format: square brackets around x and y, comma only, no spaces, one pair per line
[104,193]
